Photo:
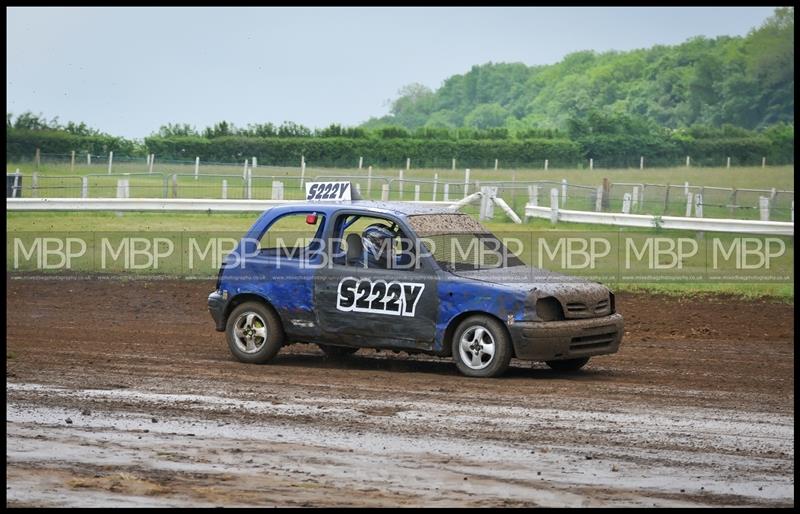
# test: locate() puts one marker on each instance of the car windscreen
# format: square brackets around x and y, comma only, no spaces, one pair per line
[459,243]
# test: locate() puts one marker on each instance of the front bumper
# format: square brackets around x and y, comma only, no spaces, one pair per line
[570,339]
[216,306]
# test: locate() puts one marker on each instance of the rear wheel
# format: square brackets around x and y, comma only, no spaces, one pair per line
[569,364]
[481,347]
[254,333]
[337,351]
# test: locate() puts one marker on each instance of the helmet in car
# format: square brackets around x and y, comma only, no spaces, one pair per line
[377,241]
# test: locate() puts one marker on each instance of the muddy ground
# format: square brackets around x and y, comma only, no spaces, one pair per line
[121,393]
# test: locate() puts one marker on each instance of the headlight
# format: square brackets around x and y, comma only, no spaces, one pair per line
[549,309]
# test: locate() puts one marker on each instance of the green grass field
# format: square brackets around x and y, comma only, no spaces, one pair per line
[56,180]
[179,226]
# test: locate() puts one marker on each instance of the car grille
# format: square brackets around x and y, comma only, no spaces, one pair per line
[599,337]
[580,309]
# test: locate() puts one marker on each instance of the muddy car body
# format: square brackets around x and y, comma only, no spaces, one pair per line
[481,315]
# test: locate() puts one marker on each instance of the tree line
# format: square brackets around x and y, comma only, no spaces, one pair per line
[609,139]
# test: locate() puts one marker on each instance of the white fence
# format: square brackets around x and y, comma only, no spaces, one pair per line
[157,204]
[667,222]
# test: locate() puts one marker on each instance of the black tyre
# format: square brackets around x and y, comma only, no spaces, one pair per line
[254,332]
[481,347]
[569,364]
[337,351]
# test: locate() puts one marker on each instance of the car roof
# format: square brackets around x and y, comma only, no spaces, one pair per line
[396,208]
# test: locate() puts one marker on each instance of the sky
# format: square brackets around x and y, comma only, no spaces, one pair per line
[128,71]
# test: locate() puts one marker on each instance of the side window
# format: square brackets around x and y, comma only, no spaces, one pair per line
[292,236]
[373,242]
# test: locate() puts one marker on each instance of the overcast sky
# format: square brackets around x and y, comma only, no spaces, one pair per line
[127,71]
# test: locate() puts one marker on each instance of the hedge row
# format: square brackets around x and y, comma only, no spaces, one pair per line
[376,152]
[606,150]
[22,144]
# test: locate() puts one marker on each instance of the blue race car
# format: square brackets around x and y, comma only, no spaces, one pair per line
[402,277]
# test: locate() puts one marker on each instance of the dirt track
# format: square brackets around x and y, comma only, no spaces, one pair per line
[697,408]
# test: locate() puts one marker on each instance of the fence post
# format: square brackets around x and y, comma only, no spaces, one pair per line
[360,162]
[16,192]
[255,162]
[358,188]
[598,202]
[763,162]
[591,164]
[454,164]
[416,192]
[514,187]
[249,183]
[685,188]
[689,205]
[38,157]
[369,182]
[546,163]
[641,162]
[606,194]
[110,161]
[408,163]
[496,162]
[302,171]
[563,192]
[554,206]
[732,202]
[35,185]
[84,187]
[72,162]
[152,161]
[728,163]
[698,205]
[533,195]
[466,182]
[174,185]
[244,169]
[197,167]
[635,198]
[487,206]
[626,203]
[122,188]
[688,161]
[763,207]
[224,189]
[384,192]
[446,192]
[435,185]
[277,190]
[666,199]
[88,159]
[400,184]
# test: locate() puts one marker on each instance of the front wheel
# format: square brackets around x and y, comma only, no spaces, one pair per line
[254,333]
[568,365]
[481,347]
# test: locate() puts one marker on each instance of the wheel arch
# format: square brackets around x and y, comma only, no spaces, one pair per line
[449,332]
[249,297]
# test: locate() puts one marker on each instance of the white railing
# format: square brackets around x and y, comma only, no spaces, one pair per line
[157,204]
[668,222]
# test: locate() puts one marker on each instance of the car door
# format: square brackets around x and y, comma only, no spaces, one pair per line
[376,307]
[282,266]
